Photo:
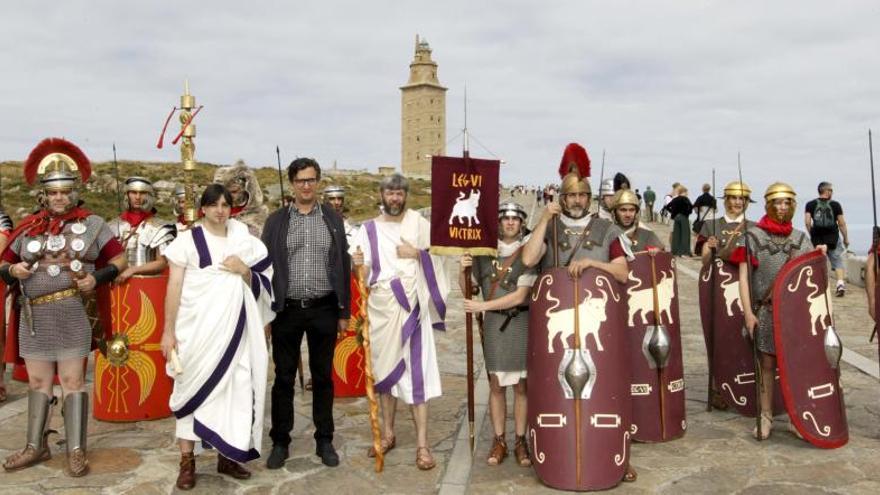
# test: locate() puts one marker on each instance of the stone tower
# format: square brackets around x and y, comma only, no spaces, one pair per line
[423,114]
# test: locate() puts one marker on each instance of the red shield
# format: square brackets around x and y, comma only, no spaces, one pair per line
[130,381]
[657,374]
[349,379]
[805,351]
[733,368]
[579,441]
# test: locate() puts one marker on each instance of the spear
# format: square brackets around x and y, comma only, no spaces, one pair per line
[876,231]
[755,354]
[711,334]
[116,171]
[280,175]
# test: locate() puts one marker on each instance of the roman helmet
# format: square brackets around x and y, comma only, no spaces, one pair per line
[606,188]
[625,197]
[179,193]
[334,192]
[779,190]
[60,166]
[574,170]
[511,209]
[140,184]
[739,190]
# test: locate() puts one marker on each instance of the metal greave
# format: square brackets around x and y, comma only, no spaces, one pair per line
[76,416]
[39,413]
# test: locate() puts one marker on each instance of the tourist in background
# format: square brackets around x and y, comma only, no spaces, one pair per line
[679,209]
[824,220]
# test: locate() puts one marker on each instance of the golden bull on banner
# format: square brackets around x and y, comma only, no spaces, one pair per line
[130,379]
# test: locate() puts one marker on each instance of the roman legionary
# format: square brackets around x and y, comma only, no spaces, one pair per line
[407,302]
[142,235]
[606,200]
[576,333]
[636,237]
[349,379]
[722,233]
[178,206]
[335,197]
[723,322]
[58,256]
[654,328]
[772,242]
[505,283]
[129,385]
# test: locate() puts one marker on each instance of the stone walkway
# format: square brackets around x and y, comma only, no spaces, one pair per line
[717,455]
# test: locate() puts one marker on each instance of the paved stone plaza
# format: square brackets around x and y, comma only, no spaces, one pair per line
[717,455]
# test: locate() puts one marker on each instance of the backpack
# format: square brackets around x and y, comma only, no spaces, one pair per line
[823,215]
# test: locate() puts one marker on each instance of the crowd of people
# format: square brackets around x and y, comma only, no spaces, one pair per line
[233,290]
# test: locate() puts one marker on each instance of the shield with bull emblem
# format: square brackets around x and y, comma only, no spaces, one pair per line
[733,365]
[808,351]
[655,349]
[579,406]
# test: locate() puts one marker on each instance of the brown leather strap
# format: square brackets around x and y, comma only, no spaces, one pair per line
[507,264]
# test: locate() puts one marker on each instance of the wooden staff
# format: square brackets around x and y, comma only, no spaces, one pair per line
[368,364]
[469,343]
[660,366]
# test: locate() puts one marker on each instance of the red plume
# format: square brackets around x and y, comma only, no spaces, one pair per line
[574,159]
[56,145]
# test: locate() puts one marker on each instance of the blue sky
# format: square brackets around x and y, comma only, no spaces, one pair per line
[669,89]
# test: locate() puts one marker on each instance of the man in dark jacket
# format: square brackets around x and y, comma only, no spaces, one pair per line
[309,251]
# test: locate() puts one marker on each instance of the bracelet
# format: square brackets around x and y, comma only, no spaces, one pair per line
[6,274]
[106,274]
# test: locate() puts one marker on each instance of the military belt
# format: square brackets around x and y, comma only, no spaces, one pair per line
[54,296]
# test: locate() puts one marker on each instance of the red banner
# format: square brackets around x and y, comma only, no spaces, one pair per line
[464,205]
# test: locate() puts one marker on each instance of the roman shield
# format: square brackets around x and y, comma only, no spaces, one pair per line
[808,351]
[579,405]
[733,365]
[654,349]
[349,378]
[130,379]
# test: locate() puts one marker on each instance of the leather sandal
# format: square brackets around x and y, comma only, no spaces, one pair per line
[766,427]
[498,451]
[521,451]
[3,395]
[26,457]
[718,401]
[386,444]
[425,462]
[630,475]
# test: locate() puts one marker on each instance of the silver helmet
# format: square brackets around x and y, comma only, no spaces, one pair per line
[511,209]
[334,192]
[140,184]
[606,188]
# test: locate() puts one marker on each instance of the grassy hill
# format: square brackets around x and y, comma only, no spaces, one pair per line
[362,198]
